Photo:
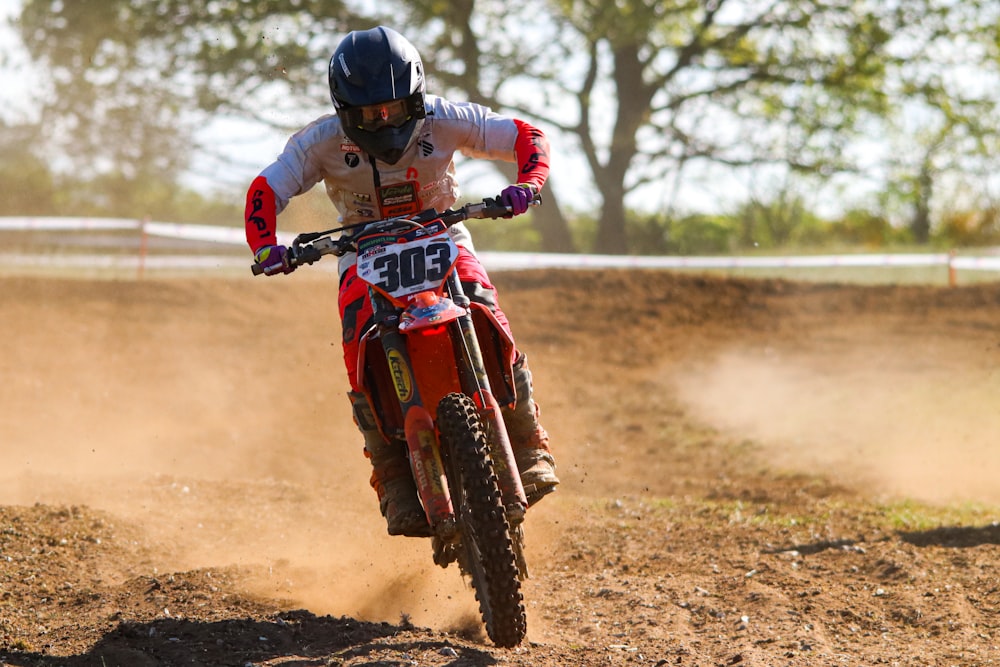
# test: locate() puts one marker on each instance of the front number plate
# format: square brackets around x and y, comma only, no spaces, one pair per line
[400,266]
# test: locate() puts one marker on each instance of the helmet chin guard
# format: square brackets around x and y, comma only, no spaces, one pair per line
[377,86]
[389,143]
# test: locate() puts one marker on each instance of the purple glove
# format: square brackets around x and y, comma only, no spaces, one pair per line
[517,197]
[273,259]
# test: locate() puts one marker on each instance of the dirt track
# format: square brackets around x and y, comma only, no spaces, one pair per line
[744,467]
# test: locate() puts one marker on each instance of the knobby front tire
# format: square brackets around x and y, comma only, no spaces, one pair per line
[487,554]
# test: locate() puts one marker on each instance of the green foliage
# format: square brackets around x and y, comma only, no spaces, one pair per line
[774,223]
[129,81]
[698,234]
[966,229]
[681,71]
[28,185]
[31,188]
[912,515]
[702,235]
[104,108]
[864,228]
[219,53]
[111,195]
[782,225]
[811,232]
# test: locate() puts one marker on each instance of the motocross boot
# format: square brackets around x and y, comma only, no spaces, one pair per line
[528,439]
[391,476]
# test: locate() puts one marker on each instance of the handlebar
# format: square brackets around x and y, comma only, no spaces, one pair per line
[310,247]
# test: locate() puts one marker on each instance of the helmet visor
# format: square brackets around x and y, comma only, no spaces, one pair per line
[373,117]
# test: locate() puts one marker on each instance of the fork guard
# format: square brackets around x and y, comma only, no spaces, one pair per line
[511,490]
[428,471]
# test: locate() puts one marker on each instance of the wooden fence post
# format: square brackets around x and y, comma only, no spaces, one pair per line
[143,245]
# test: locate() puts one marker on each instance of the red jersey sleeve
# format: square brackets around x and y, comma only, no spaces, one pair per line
[531,150]
[260,215]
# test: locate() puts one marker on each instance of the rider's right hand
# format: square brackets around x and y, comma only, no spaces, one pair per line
[273,259]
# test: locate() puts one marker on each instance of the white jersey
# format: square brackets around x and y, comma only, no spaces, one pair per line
[363,189]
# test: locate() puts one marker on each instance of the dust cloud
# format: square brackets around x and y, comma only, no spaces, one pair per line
[217,421]
[891,420]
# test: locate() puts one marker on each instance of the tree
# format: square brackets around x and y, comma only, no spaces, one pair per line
[104,111]
[130,80]
[261,60]
[738,83]
[646,89]
[945,86]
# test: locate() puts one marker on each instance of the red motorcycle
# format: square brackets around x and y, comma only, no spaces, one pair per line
[436,367]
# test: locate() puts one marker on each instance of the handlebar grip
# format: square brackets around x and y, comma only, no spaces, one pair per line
[492,208]
[257,269]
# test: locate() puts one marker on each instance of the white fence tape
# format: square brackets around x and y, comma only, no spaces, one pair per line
[77,261]
[519,260]
[65,224]
[207,233]
[980,263]
[492,260]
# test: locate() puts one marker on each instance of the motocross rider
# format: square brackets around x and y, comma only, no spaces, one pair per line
[388,152]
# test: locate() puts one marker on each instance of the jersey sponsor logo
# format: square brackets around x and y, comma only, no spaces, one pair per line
[361,197]
[257,202]
[426,147]
[431,189]
[352,160]
[537,140]
[365,212]
[402,193]
[349,147]
[399,199]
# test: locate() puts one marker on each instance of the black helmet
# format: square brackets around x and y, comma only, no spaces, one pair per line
[377,87]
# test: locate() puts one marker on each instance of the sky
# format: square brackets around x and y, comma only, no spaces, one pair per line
[14,88]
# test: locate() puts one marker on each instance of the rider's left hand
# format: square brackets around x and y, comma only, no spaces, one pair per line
[517,197]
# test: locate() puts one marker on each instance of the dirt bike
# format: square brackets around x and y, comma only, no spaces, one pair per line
[436,367]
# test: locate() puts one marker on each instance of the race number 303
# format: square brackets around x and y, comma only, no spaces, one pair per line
[404,268]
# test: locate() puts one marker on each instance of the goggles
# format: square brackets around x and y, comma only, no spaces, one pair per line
[373,117]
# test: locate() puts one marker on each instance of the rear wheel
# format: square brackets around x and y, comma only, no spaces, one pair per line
[487,553]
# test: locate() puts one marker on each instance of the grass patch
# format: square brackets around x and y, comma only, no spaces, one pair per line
[909,515]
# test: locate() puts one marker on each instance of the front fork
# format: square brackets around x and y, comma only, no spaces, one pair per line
[418,423]
[475,383]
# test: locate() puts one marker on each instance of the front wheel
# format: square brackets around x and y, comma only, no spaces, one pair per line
[487,553]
